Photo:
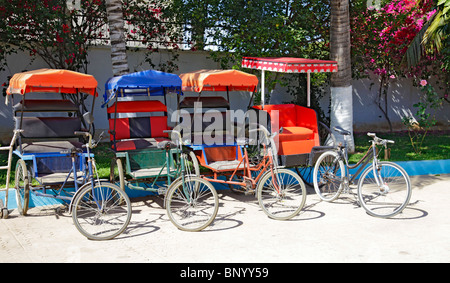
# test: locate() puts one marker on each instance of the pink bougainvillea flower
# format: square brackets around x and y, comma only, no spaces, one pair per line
[66,28]
[423,82]
[59,38]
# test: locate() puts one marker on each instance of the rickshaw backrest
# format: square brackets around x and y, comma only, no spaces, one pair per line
[291,115]
[137,127]
[300,126]
[49,127]
[141,127]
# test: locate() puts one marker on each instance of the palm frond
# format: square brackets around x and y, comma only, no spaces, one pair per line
[416,47]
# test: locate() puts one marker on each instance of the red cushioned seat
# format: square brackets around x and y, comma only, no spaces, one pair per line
[296,133]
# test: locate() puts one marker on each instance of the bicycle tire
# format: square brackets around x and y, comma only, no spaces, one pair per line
[283,204]
[329,172]
[191,204]
[389,199]
[22,187]
[102,211]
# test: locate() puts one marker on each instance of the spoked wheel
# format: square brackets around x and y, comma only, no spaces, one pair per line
[281,194]
[329,172]
[192,204]
[387,193]
[102,211]
[22,187]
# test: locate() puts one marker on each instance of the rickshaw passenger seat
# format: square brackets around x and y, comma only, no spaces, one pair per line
[50,146]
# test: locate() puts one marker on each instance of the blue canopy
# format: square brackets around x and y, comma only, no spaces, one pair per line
[150,82]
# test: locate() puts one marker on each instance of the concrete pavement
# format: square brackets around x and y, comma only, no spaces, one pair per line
[322,232]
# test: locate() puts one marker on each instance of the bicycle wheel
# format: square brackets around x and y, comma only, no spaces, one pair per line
[22,187]
[102,211]
[391,196]
[328,175]
[281,194]
[192,204]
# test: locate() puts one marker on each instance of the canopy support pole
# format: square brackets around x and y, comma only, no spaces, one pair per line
[262,87]
[308,89]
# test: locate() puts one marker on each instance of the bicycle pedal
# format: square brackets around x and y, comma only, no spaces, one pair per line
[249,192]
[60,209]
[162,190]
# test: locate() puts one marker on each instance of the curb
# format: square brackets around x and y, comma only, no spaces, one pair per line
[426,167]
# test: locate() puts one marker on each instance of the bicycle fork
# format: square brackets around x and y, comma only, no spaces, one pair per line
[382,185]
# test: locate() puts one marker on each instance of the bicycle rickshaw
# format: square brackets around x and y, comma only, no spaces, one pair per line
[145,158]
[384,188]
[138,125]
[281,193]
[54,154]
[303,136]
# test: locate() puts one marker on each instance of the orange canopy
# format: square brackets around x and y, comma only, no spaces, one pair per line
[52,80]
[218,80]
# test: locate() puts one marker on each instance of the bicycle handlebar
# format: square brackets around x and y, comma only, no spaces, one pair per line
[177,133]
[378,140]
[91,143]
[80,133]
[262,129]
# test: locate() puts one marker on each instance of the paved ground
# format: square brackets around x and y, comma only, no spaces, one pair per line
[323,232]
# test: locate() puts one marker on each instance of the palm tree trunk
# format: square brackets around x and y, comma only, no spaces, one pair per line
[341,81]
[117,36]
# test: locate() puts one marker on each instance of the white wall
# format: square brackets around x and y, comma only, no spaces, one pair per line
[402,95]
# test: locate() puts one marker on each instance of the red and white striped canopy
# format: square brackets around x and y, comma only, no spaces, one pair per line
[289,65]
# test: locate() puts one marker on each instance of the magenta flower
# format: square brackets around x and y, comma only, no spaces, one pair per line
[423,82]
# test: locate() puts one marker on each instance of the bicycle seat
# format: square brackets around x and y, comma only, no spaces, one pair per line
[341,131]
[166,145]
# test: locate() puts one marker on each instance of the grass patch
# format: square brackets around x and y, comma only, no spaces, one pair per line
[436,146]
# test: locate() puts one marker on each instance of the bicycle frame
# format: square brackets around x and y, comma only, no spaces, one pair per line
[89,176]
[269,161]
[371,154]
[150,182]
[247,169]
